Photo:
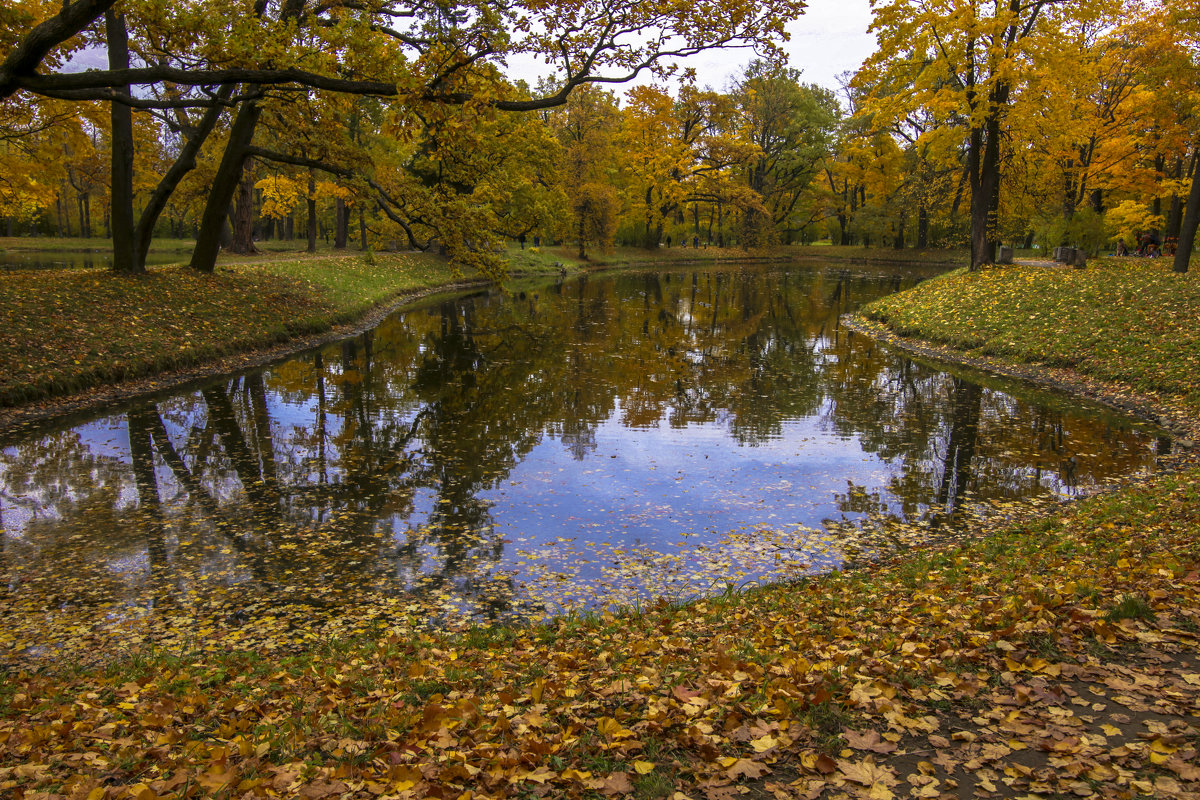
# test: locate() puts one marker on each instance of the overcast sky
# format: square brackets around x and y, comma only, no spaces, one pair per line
[831,38]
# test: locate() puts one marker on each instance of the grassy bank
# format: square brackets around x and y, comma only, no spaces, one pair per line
[1130,321]
[68,330]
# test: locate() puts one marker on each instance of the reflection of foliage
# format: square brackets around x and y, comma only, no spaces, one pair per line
[350,487]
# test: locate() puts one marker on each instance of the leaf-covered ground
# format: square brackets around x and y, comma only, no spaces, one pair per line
[1051,658]
[1057,655]
[66,330]
[1129,320]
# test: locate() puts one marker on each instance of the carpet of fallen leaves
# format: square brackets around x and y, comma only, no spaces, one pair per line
[1053,657]
[1128,320]
[67,330]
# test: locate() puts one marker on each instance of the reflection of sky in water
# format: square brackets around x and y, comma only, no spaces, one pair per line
[642,485]
[669,490]
[472,470]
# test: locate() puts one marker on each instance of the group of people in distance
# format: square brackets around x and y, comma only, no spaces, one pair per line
[1148,246]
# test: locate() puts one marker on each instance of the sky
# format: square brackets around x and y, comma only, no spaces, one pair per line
[831,38]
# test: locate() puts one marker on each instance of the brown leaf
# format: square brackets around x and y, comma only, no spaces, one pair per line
[746,767]
[616,783]
[868,740]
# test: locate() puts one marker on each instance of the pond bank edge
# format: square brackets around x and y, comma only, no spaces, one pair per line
[1179,422]
[14,417]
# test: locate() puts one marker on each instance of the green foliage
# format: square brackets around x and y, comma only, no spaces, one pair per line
[1085,228]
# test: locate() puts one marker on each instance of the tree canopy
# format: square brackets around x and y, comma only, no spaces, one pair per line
[975,123]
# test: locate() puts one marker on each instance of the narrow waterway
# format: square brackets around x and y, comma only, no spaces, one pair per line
[605,440]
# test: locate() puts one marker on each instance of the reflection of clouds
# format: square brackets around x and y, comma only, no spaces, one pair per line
[476,473]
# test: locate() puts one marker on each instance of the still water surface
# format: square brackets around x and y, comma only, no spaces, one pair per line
[20,260]
[603,440]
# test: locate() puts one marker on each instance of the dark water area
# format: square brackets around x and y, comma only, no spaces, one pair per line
[605,440]
[22,260]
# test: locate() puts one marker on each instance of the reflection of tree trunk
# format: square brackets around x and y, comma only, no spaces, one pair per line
[264,444]
[263,497]
[5,582]
[149,501]
[364,396]
[964,436]
[716,308]
[319,366]
[166,450]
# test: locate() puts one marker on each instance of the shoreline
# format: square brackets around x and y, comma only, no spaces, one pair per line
[14,418]
[1183,426]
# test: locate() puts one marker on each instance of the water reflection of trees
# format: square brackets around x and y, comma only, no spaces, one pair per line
[361,470]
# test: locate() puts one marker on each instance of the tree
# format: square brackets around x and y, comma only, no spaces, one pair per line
[425,57]
[792,126]
[963,61]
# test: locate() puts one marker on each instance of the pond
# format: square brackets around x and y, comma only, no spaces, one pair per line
[601,441]
[75,259]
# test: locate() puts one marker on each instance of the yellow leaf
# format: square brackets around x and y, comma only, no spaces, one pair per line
[643,767]
[764,743]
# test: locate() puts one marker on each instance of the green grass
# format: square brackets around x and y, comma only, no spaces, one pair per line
[54,244]
[67,330]
[1130,322]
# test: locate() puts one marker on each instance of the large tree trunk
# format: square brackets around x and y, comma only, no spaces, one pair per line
[341,231]
[1175,216]
[243,215]
[985,192]
[312,211]
[1187,230]
[124,256]
[225,183]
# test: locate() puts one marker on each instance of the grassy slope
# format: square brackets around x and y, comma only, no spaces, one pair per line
[1126,320]
[65,330]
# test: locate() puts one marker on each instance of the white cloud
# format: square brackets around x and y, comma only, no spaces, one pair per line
[829,39]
